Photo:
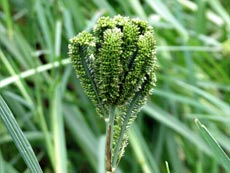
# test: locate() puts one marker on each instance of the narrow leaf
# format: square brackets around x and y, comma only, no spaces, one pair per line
[218,152]
[19,139]
[58,133]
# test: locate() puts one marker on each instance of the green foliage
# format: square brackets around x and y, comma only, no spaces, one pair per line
[20,140]
[38,84]
[221,156]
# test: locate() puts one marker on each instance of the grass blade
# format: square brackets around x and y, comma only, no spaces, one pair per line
[211,98]
[81,133]
[15,78]
[9,22]
[19,139]
[58,133]
[216,5]
[136,5]
[173,123]
[103,4]
[6,167]
[2,166]
[43,24]
[19,83]
[142,151]
[167,167]
[58,34]
[164,12]
[101,154]
[218,152]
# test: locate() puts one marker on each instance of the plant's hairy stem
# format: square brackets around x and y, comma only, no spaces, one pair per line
[108,149]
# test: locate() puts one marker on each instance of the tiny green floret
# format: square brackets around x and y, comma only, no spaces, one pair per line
[116,65]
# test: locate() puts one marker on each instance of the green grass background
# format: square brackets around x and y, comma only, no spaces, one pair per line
[41,88]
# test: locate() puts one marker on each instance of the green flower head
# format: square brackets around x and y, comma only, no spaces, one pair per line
[116,65]
[116,60]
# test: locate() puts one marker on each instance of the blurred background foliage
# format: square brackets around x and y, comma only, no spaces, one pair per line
[42,90]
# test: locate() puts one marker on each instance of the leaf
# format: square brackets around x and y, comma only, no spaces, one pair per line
[218,152]
[142,151]
[58,132]
[19,139]
[173,123]
[122,123]
[163,10]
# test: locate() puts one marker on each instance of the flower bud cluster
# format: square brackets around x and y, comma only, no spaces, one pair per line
[116,60]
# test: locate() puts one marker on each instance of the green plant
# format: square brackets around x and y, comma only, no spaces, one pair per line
[116,65]
[19,138]
[38,84]
[218,152]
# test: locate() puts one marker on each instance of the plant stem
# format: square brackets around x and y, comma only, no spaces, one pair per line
[109,140]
